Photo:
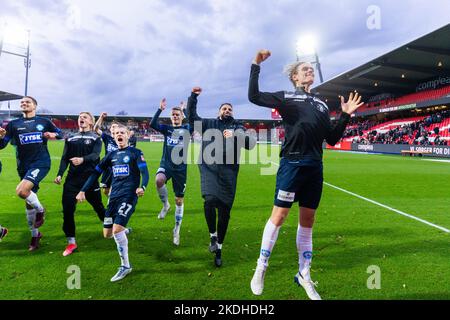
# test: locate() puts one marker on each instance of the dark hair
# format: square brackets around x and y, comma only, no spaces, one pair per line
[32,99]
[225,104]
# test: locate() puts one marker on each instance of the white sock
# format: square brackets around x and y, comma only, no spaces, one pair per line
[269,238]
[219,246]
[33,201]
[122,247]
[163,195]
[304,248]
[179,210]
[31,216]
[71,240]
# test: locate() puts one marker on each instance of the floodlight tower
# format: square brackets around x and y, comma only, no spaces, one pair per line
[306,48]
[16,37]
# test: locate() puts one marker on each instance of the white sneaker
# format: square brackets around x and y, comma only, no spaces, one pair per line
[308,285]
[162,214]
[257,283]
[122,273]
[176,236]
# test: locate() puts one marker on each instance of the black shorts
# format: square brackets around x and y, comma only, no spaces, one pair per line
[178,180]
[34,175]
[119,211]
[297,182]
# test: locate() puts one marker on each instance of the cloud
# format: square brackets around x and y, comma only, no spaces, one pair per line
[105,55]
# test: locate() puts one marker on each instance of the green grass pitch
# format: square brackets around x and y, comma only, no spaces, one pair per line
[350,235]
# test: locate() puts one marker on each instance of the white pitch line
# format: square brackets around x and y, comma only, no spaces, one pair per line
[389,208]
[385,206]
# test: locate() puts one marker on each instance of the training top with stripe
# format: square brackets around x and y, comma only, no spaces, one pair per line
[305,118]
[86,145]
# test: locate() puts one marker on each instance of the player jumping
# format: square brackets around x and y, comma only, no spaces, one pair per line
[176,142]
[307,124]
[127,164]
[29,135]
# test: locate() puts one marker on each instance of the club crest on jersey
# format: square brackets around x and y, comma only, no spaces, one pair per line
[126,159]
[32,137]
[40,127]
[121,170]
[87,141]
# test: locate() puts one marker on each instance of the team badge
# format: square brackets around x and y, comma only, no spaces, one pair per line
[126,159]
[40,127]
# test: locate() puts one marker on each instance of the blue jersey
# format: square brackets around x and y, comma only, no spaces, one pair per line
[126,165]
[110,143]
[27,135]
[176,142]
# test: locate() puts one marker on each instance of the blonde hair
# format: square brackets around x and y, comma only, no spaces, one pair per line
[90,116]
[291,69]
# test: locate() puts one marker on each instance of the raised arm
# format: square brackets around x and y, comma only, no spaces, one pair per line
[99,123]
[263,99]
[336,132]
[154,123]
[192,106]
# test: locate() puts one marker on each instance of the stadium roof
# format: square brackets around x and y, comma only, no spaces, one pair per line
[6,96]
[398,72]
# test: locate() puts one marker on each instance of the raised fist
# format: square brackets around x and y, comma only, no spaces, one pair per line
[197,90]
[262,55]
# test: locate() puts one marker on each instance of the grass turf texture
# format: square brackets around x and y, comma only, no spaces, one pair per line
[349,236]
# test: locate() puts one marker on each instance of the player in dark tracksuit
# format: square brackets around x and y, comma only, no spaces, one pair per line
[127,165]
[81,153]
[218,170]
[173,163]
[29,135]
[307,124]
[133,140]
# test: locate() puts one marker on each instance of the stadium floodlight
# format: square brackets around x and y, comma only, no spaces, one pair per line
[306,49]
[19,37]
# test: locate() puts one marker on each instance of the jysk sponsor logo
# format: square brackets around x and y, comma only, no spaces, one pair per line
[121,170]
[173,142]
[32,137]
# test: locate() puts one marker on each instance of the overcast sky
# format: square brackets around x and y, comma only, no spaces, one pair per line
[112,55]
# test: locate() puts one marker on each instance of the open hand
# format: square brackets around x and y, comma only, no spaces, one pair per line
[163,104]
[353,103]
